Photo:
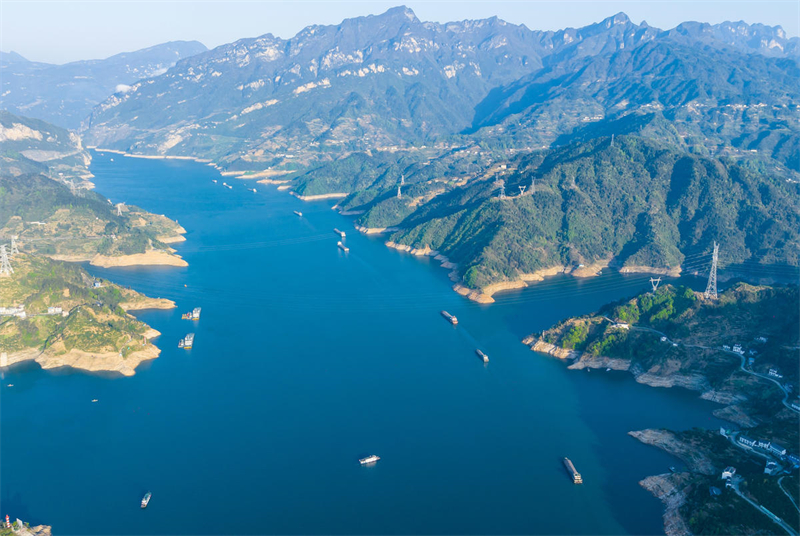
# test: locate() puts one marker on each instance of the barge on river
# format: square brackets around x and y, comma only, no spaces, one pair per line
[573,473]
[450,318]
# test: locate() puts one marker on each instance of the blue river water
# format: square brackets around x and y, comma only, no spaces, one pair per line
[307,358]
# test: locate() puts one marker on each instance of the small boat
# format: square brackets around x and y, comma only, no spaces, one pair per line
[254,190]
[340,233]
[673,469]
[180,343]
[369,459]
[298,213]
[10,385]
[94,400]
[608,370]
[482,356]
[146,499]
[229,186]
[112,159]
[214,180]
[343,247]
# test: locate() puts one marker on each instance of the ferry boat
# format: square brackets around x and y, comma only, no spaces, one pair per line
[576,476]
[186,342]
[146,499]
[369,459]
[298,213]
[196,313]
[450,318]
[482,356]
[340,233]
[343,247]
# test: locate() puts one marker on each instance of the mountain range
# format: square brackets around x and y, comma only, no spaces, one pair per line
[705,117]
[65,94]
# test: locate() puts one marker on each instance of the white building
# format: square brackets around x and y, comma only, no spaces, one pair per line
[728,472]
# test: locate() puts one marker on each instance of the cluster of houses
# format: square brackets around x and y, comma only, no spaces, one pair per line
[19,311]
[771,448]
[13,311]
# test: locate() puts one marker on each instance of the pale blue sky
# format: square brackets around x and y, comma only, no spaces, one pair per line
[59,31]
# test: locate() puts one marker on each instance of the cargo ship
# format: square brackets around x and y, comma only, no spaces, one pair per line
[340,233]
[576,476]
[369,459]
[482,356]
[146,499]
[187,341]
[298,213]
[193,315]
[450,318]
[343,247]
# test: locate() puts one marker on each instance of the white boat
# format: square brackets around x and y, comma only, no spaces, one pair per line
[369,459]
[146,499]
[343,247]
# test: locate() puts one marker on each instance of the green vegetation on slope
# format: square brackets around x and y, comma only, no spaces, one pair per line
[48,218]
[636,203]
[95,320]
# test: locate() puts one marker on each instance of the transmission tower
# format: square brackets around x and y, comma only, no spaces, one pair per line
[655,282]
[72,186]
[14,248]
[5,264]
[711,288]
[402,180]
[502,187]
[522,190]
[399,195]
[612,140]
[119,208]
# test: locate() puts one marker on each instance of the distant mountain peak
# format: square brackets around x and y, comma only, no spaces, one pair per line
[619,18]
[400,12]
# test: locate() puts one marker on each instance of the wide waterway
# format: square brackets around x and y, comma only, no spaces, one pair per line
[306,359]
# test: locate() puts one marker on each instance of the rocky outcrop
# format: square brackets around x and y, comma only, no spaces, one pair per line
[669,489]
[667,441]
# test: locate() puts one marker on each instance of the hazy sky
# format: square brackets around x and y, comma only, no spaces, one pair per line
[59,31]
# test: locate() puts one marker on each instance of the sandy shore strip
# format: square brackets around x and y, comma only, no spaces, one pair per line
[318,197]
[378,230]
[148,303]
[151,258]
[151,156]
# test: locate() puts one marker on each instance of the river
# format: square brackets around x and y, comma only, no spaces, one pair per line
[307,358]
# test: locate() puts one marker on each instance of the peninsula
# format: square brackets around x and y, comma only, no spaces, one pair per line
[58,315]
[740,350]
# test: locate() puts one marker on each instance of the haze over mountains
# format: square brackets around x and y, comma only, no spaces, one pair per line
[706,119]
[65,94]
[392,80]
